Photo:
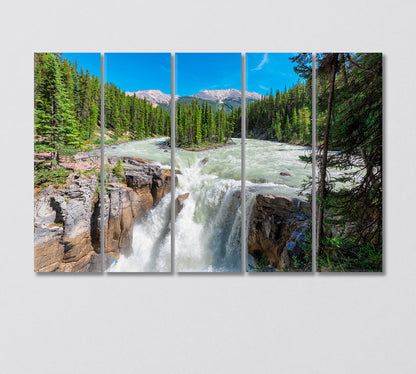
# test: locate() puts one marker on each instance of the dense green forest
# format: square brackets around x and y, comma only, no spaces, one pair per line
[68,107]
[196,124]
[67,113]
[131,117]
[285,116]
[349,120]
[67,103]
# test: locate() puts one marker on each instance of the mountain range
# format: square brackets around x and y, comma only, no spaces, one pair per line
[154,96]
[229,98]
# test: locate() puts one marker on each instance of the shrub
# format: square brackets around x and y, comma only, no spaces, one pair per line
[46,176]
[66,151]
[118,171]
[260,264]
[343,254]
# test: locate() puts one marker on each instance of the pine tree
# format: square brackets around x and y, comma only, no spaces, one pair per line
[330,63]
[55,124]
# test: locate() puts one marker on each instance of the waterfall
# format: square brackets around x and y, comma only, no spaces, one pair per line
[208,228]
[151,243]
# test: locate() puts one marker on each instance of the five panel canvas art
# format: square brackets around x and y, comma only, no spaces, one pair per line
[293,175]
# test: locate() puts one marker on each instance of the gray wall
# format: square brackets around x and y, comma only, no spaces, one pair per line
[221,323]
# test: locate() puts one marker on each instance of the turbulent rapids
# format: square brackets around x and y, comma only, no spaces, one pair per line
[208,227]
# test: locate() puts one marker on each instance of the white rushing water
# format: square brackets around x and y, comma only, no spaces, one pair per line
[208,228]
[151,238]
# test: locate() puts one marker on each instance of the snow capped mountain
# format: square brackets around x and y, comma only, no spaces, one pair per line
[253,95]
[158,97]
[218,95]
[154,96]
[221,95]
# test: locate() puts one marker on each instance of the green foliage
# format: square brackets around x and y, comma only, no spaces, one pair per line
[259,265]
[285,116]
[344,254]
[118,171]
[197,124]
[110,141]
[351,202]
[228,104]
[67,105]
[303,263]
[107,172]
[40,147]
[67,151]
[45,175]
[133,118]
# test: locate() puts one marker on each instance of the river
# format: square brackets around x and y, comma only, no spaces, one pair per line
[208,229]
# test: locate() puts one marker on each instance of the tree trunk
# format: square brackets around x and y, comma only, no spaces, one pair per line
[344,69]
[324,159]
[369,177]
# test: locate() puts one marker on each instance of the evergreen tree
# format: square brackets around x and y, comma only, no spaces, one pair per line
[279,116]
[55,124]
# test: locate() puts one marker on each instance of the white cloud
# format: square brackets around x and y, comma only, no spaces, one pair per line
[265,60]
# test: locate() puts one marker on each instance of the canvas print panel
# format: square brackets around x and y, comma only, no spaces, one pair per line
[66,170]
[137,162]
[278,162]
[349,161]
[208,162]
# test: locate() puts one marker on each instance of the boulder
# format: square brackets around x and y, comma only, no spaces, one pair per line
[142,175]
[276,227]
[179,203]
[204,161]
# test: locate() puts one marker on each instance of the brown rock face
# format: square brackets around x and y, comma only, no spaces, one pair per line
[62,227]
[161,186]
[84,161]
[67,225]
[49,252]
[276,226]
[122,206]
[147,184]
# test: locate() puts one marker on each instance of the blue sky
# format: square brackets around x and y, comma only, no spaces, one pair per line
[194,71]
[89,61]
[138,71]
[129,71]
[265,71]
[206,71]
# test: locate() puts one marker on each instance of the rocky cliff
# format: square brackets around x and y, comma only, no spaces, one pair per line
[62,226]
[67,222]
[126,203]
[277,230]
